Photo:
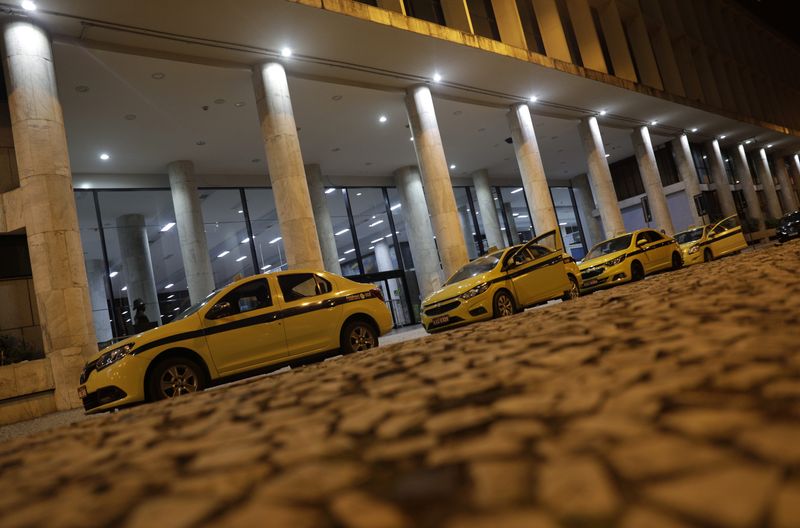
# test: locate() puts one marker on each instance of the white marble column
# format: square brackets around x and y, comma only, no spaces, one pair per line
[720,179]
[767,184]
[420,234]
[96,274]
[748,187]
[285,163]
[592,230]
[191,230]
[483,194]
[436,178]
[651,179]
[795,164]
[531,169]
[787,189]
[688,173]
[134,249]
[600,177]
[49,213]
[322,219]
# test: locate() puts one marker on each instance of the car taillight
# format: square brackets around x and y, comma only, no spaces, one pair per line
[377,293]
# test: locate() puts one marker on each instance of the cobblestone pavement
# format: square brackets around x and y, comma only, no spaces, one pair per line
[666,403]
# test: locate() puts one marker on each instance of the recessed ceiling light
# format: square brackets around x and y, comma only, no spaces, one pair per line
[705,157]
[395,206]
[436,77]
[769,146]
[376,240]
[276,239]
[267,266]
[223,254]
[241,258]
[239,104]
[533,98]
[124,288]
[200,143]
[411,139]
[28,5]
[694,130]
[113,274]
[372,247]
[748,141]
[723,136]
[358,194]
[382,119]
[129,117]
[328,191]
[343,231]
[349,251]
[158,76]
[377,222]
[286,52]
[608,155]
[241,211]
[170,296]
[452,167]
[342,259]
[168,286]
[245,240]
[105,157]
[602,112]
[167,227]
[516,190]
[653,123]
[562,223]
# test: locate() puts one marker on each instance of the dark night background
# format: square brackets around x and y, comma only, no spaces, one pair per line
[781,15]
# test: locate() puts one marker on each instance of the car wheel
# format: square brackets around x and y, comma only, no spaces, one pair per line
[637,271]
[574,290]
[708,256]
[503,304]
[357,336]
[175,377]
[677,261]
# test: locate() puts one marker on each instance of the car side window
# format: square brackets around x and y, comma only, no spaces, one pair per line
[250,296]
[642,237]
[522,257]
[539,251]
[653,236]
[718,229]
[301,285]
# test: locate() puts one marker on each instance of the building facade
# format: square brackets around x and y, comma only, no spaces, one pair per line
[152,153]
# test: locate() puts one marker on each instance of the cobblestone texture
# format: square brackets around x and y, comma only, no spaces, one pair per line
[671,402]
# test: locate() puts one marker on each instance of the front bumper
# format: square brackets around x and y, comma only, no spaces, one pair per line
[787,234]
[115,386]
[456,312]
[599,277]
[691,258]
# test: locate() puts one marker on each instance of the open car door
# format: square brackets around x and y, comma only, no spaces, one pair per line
[726,236]
[536,269]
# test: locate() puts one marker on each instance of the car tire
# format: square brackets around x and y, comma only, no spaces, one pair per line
[357,336]
[175,376]
[574,290]
[637,271]
[677,261]
[503,304]
[708,256]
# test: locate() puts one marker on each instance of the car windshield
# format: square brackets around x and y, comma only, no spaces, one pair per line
[609,246]
[193,308]
[476,267]
[692,235]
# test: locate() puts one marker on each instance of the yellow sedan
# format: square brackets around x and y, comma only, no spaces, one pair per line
[253,323]
[628,258]
[704,244]
[502,283]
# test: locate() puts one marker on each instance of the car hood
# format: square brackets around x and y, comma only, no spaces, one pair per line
[169,329]
[456,289]
[586,264]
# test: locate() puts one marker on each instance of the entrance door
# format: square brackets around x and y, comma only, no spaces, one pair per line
[396,295]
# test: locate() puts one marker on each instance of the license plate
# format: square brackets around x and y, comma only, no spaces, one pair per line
[590,282]
[82,392]
[440,320]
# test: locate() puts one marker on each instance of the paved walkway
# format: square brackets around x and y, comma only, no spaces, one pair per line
[671,402]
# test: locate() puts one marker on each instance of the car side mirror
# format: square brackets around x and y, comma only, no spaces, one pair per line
[221,309]
[640,243]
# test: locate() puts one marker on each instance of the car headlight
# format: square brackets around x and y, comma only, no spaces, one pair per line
[112,356]
[694,249]
[477,290]
[614,261]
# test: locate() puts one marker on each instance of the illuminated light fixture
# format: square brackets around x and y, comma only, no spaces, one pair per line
[769,146]
[748,141]
[358,194]
[704,156]
[516,190]
[382,119]
[176,309]
[167,227]
[343,231]
[349,251]
[372,247]
[395,206]
[376,240]
[515,214]
[436,77]
[603,112]
[373,224]
[124,288]
[533,98]
[286,52]
[245,240]
[268,266]
[168,286]
[452,167]
[523,216]
[275,240]
[223,254]
[723,136]
[411,139]
[113,274]
[502,229]
[694,130]
[608,155]
[105,157]
[241,258]
[341,259]
[171,296]
[28,5]
[562,223]
[328,191]
[241,211]
[653,123]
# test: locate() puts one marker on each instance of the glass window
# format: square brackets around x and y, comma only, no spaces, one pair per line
[250,296]
[337,208]
[517,214]
[226,232]
[568,222]
[266,230]
[297,286]
[430,10]
[667,168]
[482,16]
[373,229]
[730,167]
[530,26]
[700,163]
[471,234]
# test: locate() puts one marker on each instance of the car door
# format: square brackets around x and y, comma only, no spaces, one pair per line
[726,236]
[243,329]
[312,318]
[537,270]
[658,250]
[642,244]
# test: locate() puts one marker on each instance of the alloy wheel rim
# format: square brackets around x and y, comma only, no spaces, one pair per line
[361,338]
[178,380]
[574,291]
[504,305]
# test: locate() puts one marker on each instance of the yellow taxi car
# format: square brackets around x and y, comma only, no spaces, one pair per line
[628,258]
[252,323]
[503,282]
[704,244]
